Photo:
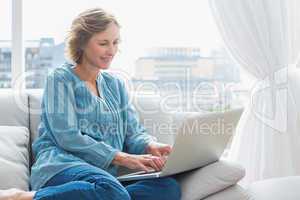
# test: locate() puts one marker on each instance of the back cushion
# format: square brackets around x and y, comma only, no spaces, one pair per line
[14,157]
[155,117]
[35,97]
[14,108]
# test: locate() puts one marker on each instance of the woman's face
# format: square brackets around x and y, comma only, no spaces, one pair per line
[102,47]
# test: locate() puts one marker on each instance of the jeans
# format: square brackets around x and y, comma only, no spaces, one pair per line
[86,182]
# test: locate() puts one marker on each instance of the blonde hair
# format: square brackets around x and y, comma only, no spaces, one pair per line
[83,27]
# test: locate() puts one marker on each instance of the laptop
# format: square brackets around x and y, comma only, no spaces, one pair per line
[200,140]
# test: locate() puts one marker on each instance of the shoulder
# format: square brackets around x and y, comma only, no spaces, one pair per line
[61,73]
[113,81]
[111,78]
[116,85]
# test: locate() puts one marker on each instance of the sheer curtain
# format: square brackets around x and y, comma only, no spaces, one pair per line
[263,36]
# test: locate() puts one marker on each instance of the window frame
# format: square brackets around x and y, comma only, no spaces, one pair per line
[17,46]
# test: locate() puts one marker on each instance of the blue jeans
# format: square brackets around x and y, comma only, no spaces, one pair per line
[91,183]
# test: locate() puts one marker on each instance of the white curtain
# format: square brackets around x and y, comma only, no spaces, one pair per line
[263,36]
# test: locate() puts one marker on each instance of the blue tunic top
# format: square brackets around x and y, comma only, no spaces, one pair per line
[78,127]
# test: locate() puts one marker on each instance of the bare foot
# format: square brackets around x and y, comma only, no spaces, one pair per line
[15,194]
[11,194]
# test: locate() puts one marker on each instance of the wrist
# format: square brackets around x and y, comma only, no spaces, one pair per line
[149,147]
[119,158]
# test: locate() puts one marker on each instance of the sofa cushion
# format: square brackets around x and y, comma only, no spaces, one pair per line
[200,183]
[14,108]
[35,97]
[14,157]
[235,192]
[276,189]
[155,117]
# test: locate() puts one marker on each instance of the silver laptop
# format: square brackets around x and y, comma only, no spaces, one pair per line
[200,140]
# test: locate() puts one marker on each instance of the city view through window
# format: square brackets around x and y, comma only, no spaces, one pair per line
[5,44]
[173,53]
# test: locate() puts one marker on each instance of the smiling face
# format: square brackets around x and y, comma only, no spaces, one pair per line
[102,47]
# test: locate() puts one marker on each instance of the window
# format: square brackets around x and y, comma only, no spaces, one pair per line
[168,48]
[5,44]
[43,39]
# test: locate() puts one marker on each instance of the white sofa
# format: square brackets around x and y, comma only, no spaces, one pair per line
[276,189]
[19,118]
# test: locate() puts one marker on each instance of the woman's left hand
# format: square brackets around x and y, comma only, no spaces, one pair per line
[158,149]
[160,152]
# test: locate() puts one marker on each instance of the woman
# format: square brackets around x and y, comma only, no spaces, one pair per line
[88,127]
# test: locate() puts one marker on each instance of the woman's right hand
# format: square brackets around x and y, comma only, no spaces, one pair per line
[145,162]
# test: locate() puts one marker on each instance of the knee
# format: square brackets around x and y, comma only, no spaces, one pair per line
[121,193]
[171,188]
[113,189]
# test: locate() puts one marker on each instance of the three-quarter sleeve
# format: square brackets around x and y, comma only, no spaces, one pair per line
[137,138]
[59,113]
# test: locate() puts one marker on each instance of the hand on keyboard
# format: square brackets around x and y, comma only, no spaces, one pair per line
[158,149]
[144,162]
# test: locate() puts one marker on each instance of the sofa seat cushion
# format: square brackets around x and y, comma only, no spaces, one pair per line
[276,189]
[202,182]
[14,157]
[235,192]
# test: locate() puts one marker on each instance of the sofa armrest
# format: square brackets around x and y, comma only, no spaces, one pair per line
[200,183]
